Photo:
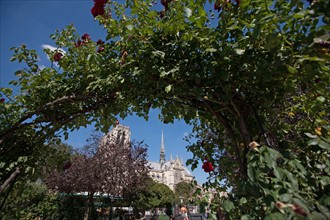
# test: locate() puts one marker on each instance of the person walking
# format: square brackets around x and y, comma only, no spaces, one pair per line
[183,212]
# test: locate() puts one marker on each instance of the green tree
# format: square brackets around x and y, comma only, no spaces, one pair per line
[249,71]
[184,190]
[31,179]
[154,195]
[30,200]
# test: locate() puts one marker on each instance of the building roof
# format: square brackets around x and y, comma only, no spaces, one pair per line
[155,166]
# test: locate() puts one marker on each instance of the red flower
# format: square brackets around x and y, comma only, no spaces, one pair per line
[100,49]
[280,205]
[97,10]
[299,210]
[79,43]
[85,37]
[101,2]
[58,56]
[2,100]
[99,42]
[207,166]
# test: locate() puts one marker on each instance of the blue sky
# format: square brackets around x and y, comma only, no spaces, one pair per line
[32,22]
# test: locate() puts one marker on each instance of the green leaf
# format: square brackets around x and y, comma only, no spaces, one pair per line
[324,210]
[168,88]
[278,172]
[22,159]
[274,153]
[228,205]
[251,173]
[239,51]
[325,180]
[158,53]
[292,179]
[129,27]
[211,50]
[324,145]
[286,197]
[313,142]
[245,3]
[320,99]
[275,216]
[188,12]
[311,135]
[243,200]
[318,216]
[292,69]
[246,217]
[300,14]
[256,31]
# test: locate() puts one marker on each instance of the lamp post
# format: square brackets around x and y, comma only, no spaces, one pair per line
[111,211]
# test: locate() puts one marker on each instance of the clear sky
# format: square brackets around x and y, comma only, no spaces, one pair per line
[31,22]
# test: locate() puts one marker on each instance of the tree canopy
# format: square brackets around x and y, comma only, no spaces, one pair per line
[246,71]
[153,195]
[184,190]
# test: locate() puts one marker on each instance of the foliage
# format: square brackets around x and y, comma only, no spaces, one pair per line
[30,200]
[184,190]
[71,206]
[285,187]
[154,195]
[258,71]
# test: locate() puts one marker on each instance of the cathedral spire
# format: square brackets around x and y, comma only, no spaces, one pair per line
[162,159]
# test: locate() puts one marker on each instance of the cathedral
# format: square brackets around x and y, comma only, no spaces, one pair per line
[170,172]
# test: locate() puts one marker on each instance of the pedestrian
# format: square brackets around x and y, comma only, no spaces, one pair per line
[183,212]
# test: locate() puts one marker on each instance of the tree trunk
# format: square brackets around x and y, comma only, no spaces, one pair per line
[90,206]
[8,181]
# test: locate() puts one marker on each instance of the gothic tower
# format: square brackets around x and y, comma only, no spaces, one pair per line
[162,159]
[119,135]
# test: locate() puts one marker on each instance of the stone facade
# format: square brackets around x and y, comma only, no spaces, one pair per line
[119,135]
[169,172]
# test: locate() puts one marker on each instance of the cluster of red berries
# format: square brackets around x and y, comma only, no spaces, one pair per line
[207,166]
[219,4]
[98,8]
